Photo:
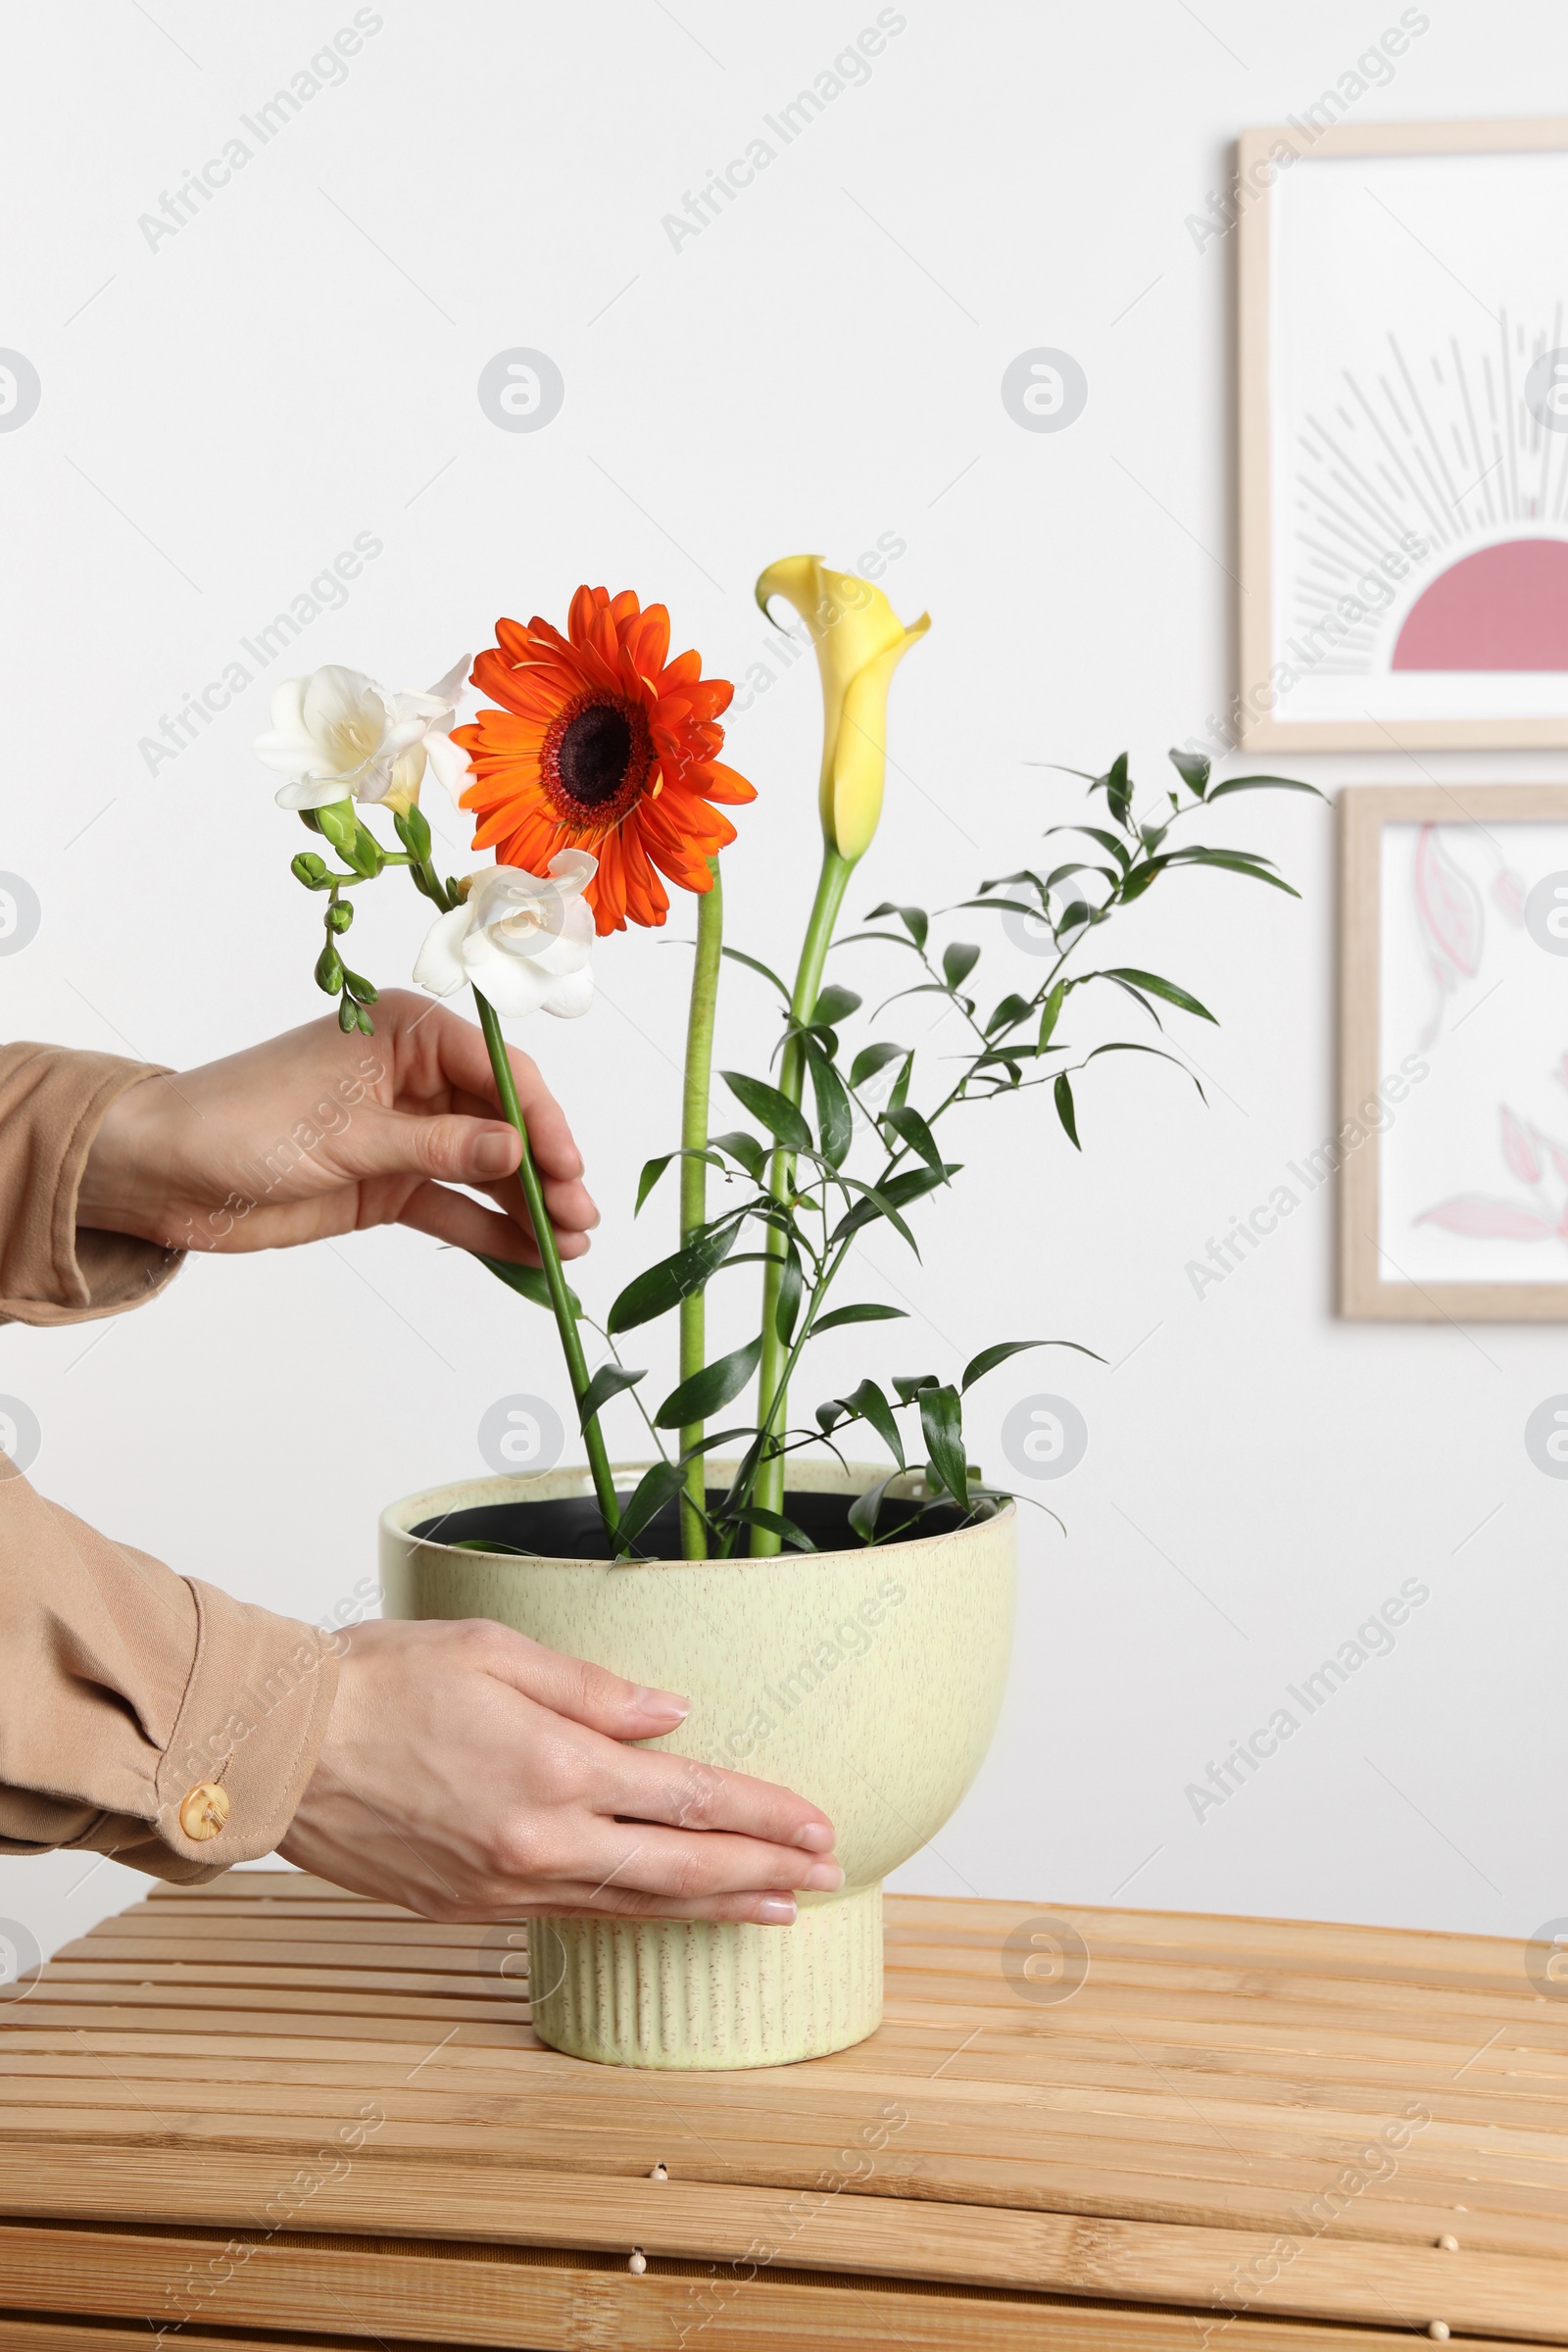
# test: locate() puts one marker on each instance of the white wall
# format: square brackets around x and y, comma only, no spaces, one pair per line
[225,410]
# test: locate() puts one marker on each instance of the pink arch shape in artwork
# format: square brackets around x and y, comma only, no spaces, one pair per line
[1503,608]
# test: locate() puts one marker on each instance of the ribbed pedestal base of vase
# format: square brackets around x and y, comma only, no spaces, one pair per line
[709,1993]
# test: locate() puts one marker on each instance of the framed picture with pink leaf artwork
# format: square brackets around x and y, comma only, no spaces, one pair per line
[1452,1147]
[1403,435]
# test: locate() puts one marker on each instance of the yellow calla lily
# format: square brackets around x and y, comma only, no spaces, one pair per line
[860,642]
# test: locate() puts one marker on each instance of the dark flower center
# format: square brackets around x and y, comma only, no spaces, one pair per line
[593,754]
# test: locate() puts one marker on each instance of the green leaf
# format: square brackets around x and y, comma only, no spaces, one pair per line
[864,1509]
[871,1059]
[1064,1113]
[909,1126]
[942,1420]
[656,1487]
[706,1390]
[958,960]
[869,1402]
[1108,840]
[869,1313]
[652,1169]
[899,1093]
[772,1110]
[1127,989]
[1129,1046]
[835,1005]
[1157,987]
[606,1381]
[738,955]
[910,1385]
[1036,914]
[1192,770]
[743,1149]
[528,1281]
[1235,861]
[990,1357]
[879,1202]
[791,1285]
[911,1184]
[914,919]
[1011,1009]
[674,1278]
[752,1514]
[1050,1013]
[1265,783]
[1143,877]
[834,1116]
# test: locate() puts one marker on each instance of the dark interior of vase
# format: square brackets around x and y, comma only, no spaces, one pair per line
[568,1527]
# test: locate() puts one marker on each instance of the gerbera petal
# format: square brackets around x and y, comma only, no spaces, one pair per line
[649,642]
[716,782]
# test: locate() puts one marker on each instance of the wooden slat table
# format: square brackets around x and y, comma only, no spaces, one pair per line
[264,2111]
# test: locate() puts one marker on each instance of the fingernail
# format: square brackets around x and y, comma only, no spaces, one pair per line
[824,1878]
[493,1154]
[775,1911]
[662,1702]
[815,1835]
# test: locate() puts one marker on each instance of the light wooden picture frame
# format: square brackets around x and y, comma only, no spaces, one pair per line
[1452,1146]
[1402,434]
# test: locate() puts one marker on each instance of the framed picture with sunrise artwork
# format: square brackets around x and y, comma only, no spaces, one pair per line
[1402,433]
[1452,1145]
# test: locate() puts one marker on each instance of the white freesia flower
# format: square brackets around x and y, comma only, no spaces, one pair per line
[338,736]
[521,939]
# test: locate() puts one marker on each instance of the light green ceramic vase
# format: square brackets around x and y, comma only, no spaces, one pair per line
[869,1680]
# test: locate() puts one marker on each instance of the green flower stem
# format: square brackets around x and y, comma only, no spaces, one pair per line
[773,1372]
[694,1187]
[549,1258]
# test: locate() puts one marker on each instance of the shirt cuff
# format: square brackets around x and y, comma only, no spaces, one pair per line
[51,1103]
[250,1725]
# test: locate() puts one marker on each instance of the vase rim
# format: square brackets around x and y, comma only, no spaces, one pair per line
[572,1480]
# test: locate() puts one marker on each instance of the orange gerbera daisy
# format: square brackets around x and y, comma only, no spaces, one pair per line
[601,743]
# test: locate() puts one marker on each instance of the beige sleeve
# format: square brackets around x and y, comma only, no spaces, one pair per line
[123,1686]
[52,1102]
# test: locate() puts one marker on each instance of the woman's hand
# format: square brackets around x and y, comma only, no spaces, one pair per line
[315,1133]
[468,1774]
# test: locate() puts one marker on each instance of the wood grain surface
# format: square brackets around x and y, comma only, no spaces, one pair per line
[265,2105]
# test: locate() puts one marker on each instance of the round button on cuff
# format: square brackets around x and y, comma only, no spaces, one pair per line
[204,1812]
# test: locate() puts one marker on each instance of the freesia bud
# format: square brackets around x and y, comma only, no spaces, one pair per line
[860,642]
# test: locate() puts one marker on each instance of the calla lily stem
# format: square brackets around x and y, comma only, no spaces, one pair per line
[772,1371]
[554,1276]
[694,1187]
